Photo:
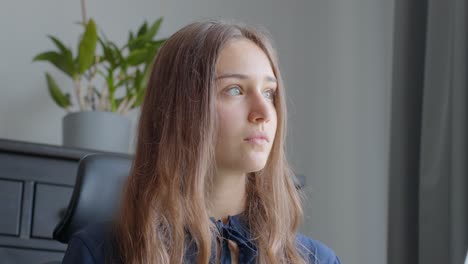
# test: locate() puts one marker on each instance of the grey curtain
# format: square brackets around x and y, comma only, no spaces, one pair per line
[428,198]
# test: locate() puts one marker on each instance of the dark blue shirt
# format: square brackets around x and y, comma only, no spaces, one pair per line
[89,245]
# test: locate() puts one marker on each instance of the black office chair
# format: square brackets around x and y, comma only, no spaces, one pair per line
[96,194]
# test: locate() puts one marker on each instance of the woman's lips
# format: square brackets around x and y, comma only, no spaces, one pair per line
[257,139]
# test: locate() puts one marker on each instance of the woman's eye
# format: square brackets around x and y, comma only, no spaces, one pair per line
[269,94]
[234,91]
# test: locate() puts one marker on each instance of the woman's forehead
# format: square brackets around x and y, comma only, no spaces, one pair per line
[242,57]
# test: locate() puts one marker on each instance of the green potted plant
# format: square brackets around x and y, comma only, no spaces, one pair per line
[108,81]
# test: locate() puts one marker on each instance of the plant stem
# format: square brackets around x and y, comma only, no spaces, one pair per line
[90,97]
[83,12]
[103,99]
[79,97]
[113,107]
[129,105]
[122,105]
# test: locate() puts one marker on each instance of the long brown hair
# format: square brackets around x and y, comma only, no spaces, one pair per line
[166,198]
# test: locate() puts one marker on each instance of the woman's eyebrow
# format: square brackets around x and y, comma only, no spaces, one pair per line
[243,77]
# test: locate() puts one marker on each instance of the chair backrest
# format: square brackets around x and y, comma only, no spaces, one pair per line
[96,194]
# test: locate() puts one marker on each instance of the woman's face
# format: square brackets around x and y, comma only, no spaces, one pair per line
[246,87]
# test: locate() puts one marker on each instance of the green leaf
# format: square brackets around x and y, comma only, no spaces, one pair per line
[140,97]
[141,88]
[140,41]
[143,29]
[137,43]
[59,44]
[154,29]
[137,57]
[87,48]
[67,55]
[62,61]
[108,55]
[117,53]
[62,100]
[137,80]
[155,45]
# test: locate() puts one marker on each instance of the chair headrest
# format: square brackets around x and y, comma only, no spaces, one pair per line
[97,193]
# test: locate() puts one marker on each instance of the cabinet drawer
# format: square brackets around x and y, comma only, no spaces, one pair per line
[11,193]
[50,202]
[19,256]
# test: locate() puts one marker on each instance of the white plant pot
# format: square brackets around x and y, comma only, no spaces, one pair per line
[105,131]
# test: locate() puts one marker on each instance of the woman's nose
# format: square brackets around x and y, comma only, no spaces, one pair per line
[260,109]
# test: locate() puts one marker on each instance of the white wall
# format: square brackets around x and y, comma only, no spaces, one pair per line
[342,125]
[336,61]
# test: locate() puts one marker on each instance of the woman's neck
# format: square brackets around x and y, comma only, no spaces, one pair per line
[229,195]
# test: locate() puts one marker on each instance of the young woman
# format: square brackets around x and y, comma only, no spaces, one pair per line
[210,182]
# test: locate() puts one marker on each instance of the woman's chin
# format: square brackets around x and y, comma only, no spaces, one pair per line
[246,164]
[256,167]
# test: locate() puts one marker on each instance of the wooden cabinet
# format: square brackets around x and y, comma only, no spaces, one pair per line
[36,183]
